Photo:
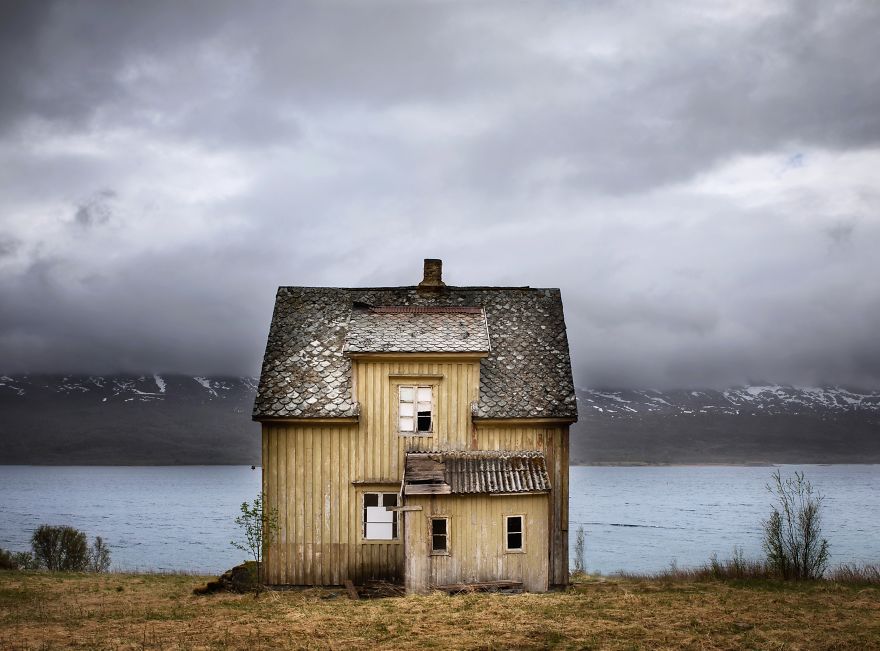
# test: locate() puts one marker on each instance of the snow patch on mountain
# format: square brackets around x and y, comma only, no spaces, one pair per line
[763,399]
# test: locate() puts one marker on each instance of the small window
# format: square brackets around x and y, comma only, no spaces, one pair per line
[439,536]
[380,523]
[514,533]
[415,410]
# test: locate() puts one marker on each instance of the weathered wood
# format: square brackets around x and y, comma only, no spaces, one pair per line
[428,489]
[483,586]
[352,591]
[316,473]
[476,541]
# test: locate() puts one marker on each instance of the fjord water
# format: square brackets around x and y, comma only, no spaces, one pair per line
[637,519]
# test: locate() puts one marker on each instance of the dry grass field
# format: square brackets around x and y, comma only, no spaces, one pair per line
[123,611]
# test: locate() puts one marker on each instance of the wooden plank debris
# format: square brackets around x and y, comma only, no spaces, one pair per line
[484,586]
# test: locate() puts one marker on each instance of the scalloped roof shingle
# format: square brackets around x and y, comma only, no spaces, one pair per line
[307,371]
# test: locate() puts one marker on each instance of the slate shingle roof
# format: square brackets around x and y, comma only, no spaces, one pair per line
[307,373]
[477,471]
[417,330]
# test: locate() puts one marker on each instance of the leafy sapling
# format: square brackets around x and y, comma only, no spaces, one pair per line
[258,525]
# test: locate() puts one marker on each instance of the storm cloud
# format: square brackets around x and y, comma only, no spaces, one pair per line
[700,179]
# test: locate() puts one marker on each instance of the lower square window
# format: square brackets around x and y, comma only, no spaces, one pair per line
[379,522]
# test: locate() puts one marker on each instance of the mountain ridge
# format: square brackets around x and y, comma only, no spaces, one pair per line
[159,419]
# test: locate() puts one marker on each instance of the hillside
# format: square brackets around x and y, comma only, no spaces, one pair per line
[755,424]
[127,420]
[176,419]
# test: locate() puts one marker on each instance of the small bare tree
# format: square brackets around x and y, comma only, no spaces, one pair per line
[99,556]
[793,533]
[580,553]
[257,525]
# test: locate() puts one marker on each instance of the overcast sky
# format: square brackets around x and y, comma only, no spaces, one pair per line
[702,180]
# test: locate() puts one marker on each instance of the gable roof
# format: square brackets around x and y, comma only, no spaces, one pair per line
[307,371]
[417,330]
[475,471]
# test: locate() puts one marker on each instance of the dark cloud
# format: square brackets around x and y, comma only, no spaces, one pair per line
[699,180]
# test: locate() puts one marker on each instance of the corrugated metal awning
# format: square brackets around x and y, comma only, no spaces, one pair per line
[476,471]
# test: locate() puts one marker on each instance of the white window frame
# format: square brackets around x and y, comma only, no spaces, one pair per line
[522,534]
[379,512]
[439,552]
[415,402]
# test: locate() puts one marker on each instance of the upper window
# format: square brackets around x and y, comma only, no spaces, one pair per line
[416,410]
[439,536]
[514,533]
[380,523]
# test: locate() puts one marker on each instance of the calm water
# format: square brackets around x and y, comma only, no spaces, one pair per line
[637,519]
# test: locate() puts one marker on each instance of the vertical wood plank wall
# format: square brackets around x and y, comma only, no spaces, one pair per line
[315,474]
[476,541]
[553,441]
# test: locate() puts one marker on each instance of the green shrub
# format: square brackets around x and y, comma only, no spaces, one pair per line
[60,548]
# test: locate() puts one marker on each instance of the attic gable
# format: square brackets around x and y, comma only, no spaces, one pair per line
[526,372]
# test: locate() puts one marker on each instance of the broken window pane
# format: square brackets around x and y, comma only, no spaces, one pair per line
[415,409]
[380,523]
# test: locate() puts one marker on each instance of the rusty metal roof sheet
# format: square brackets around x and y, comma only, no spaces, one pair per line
[307,374]
[476,471]
[418,330]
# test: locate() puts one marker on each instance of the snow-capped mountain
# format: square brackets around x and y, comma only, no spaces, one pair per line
[177,419]
[753,424]
[773,399]
[123,388]
[128,419]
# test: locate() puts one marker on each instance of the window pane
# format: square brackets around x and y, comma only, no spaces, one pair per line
[407,409]
[514,524]
[425,394]
[514,541]
[389,499]
[379,514]
[406,394]
[371,499]
[438,543]
[380,531]
[438,526]
[424,421]
[407,424]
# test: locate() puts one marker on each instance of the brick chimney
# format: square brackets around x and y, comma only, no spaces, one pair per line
[433,274]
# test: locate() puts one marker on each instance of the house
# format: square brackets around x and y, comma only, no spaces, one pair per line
[417,434]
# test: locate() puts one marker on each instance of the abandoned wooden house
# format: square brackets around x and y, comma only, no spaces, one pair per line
[417,435]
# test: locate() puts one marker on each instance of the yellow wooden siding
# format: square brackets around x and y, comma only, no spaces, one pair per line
[553,440]
[315,474]
[307,476]
[457,386]
[476,541]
